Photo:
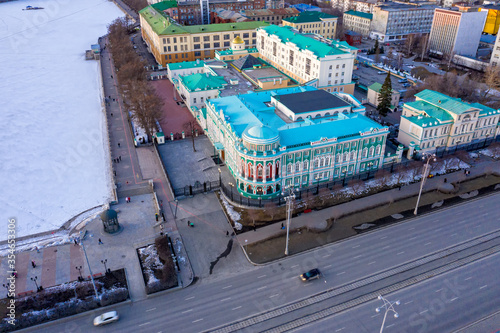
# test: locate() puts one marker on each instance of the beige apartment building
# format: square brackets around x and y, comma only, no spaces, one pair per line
[170,42]
[307,60]
[358,22]
[495,56]
[314,22]
[272,16]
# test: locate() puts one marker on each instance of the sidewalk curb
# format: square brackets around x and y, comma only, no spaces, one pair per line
[477,322]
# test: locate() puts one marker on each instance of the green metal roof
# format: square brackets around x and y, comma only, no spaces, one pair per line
[359,14]
[423,121]
[230,51]
[162,24]
[376,87]
[450,104]
[286,34]
[306,17]
[199,81]
[485,110]
[186,64]
[430,110]
[164,5]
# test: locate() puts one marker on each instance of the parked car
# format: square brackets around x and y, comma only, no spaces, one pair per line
[381,72]
[403,80]
[311,275]
[106,318]
[355,77]
[406,85]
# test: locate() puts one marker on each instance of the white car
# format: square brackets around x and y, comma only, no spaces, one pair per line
[106,318]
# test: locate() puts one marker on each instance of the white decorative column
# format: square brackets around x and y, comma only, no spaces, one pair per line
[273,171]
[254,171]
[264,169]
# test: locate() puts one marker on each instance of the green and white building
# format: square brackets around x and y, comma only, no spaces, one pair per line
[301,136]
[435,121]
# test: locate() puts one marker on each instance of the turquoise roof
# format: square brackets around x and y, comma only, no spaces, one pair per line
[359,14]
[423,121]
[186,64]
[199,81]
[431,110]
[230,51]
[251,115]
[286,34]
[260,134]
[450,104]
[377,86]
[485,110]
[306,17]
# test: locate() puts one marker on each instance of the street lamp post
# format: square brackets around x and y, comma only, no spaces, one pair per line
[424,176]
[88,264]
[220,177]
[232,186]
[79,268]
[104,263]
[36,284]
[289,202]
[388,306]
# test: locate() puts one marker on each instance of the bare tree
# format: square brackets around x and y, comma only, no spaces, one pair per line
[383,177]
[191,126]
[307,199]
[422,46]
[491,80]
[270,208]
[389,56]
[357,186]
[253,215]
[447,163]
[401,172]
[415,168]
[146,107]
[324,194]
[409,44]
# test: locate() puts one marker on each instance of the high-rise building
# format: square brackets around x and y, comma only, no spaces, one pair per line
[394,21]
[326,65]
[456,32]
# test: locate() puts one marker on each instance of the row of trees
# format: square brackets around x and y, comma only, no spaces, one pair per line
[138,96]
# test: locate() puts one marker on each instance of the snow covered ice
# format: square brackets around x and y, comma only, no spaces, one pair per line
[54,160]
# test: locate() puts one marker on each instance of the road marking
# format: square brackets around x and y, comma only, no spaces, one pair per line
[462,222]
[413,238]
[356,257]
[424,311]
[152,309]
[408,302]
[187,311]
[225,299]
[453,235]
[427,243]
[470,277]
[340,329]
[145,324]
[386,247]
[227,287]
[356,246]
[374,316]
[295,266]
[439,290]
[187,299]
[340,273]
[197,320]
[451,300]
[477,226]
[326,256]
[483,286]
[260,277]
[412,228]
[274,295]
[439,229]
[236,308]
[383,237]
[371,263]
[389,325]
[262,288]
[400,253]
[327,266]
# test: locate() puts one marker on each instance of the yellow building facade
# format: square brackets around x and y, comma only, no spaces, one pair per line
[492,19]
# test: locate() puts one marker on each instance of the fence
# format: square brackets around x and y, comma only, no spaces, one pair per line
[197,188]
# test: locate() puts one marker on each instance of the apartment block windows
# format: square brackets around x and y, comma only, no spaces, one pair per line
[196,39]
[216,37]
[274,48]
[206,45]
[308,66]
[206,38]
[226,37]
[262,43]
[290,59]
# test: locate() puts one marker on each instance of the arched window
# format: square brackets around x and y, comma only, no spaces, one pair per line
[365,152]
[289,168]
[297,166]
[242,168]
[327,161]
[269,171]
[346,156]
[316,163]
[337,158]
[377,151]
[250,169]
[353,155]
[277,168]
[322,162]
[371,151]
[305,165]
[259,170]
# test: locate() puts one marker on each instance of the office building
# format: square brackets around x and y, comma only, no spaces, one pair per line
[358,22]
[313,22]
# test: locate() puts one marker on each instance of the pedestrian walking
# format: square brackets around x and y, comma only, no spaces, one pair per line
[33,263]
[227,233]
[111,114]
[114,100]
[76,243]
[445,180]
[114,172]
[120,158]
[282,226]
[111,76]
[118,145]
[100,241]
[37,249]
[189,223]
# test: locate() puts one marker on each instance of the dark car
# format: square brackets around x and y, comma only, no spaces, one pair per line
[311,275]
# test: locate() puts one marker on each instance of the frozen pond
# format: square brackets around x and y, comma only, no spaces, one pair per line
[54,151]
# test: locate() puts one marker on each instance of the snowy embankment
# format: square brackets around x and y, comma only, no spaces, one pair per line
[54,144]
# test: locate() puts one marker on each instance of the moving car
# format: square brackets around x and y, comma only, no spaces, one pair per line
[106,318]
[406,85]
[403,80]
[311,275]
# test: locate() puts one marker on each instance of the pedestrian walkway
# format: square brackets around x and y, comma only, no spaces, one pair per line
[376,200]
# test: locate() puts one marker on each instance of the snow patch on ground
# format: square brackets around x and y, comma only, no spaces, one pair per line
[150,259]
[234,215]
[54,143]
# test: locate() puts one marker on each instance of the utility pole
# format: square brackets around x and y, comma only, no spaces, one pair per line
[88,264]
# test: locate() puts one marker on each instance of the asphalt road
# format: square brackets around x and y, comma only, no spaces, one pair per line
[208,305]
[441,304]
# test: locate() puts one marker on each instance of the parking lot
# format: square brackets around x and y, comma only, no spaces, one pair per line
[369,75]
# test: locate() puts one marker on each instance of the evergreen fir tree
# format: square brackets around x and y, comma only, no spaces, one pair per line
[376,46]
[384,97]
